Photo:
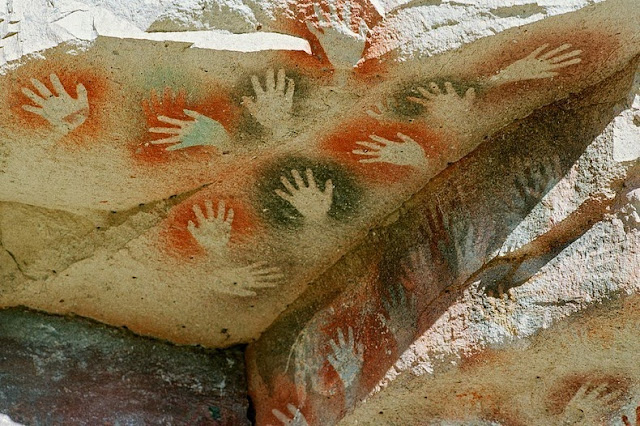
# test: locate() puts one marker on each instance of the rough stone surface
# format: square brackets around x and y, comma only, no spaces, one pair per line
[582,371]
[372,190]
[56,371]
[120,183]
[445,278]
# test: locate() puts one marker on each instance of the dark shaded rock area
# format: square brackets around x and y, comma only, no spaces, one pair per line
[57,370]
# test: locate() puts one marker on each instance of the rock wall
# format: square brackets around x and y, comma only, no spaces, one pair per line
[71,371]
[366,192]
[583,370]
[454,272]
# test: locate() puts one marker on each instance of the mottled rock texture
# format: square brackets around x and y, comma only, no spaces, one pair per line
[582,371]
[56,371]
[362,190]
[446,279]
[192,194]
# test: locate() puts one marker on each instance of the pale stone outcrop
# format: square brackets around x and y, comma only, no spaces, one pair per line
[360,190]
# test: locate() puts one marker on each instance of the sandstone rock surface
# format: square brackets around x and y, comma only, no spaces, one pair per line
[362,190]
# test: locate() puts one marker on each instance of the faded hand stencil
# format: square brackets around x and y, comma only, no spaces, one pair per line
[536,182]
[341,44]
[401,313]
[272,105]
[347,357]
[533,184]
[199,131]
[538,65]
[58,107]
[592,403]
[405,153]
[309,200]
[382,109]
[589,397]
[468,241]
[298,418]
[447,105]
[241,281]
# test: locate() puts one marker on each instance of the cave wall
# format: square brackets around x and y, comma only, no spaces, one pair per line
[367,193]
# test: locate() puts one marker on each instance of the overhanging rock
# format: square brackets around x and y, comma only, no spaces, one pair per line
[204,188]
[194,199]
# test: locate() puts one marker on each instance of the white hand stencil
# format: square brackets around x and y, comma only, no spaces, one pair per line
[312,203]
[58,107]
[272,105]
[538,65]
[212,231]
[342,45]
[201,131]
[405,153]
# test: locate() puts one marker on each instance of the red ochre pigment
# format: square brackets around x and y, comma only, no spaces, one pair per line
[596,51]
[296,25]
[101,94]
[217,106]
[342,143]
[229,186]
